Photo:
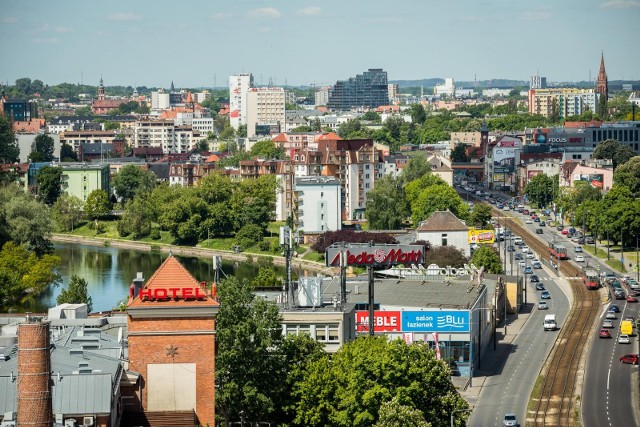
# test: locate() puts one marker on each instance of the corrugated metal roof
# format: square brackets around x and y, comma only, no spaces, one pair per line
[82,394]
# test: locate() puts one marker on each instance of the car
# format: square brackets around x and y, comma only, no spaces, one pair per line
[529,221]
[604,333]
[543,224]
[506,208]
[530,255]
[522,264]
[539,231]
[525,212]
[536,219]
[545,295]
[542,305]
[528,270]
[624,339]
[536,264]
[631,298]
[629,358]
[611,315]
[539,286]
[588,240]
[579,258]
[510,420]
[534,278]
[518,256]
[619,294]
[577,249]
[511,248]
[607,324]
[559,228]
[614,308]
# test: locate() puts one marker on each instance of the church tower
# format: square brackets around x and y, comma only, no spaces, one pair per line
[602,84]
[101,90]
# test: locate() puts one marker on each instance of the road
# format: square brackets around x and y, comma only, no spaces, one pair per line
[509,390]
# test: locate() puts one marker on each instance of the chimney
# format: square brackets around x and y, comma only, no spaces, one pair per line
[34,375]
[137,283]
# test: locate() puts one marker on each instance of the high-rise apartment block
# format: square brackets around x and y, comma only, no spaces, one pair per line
[322,95]
[265,106]
[239,85]
[538,82]
[369,89]
[446,89]
[562,102]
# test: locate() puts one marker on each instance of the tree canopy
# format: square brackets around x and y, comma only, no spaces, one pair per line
[487,256]
[628,174]
[386,205]
[615,151]
[9,151]
[97,204]
[541,189]
[131,180]
[42,149]
[48,179]
[76,293]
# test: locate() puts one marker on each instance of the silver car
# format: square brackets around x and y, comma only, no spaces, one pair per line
[510,420]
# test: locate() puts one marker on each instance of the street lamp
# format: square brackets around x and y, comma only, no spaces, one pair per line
[458,410]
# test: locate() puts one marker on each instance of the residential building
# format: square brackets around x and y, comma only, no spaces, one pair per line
[318,201]
[81,179]
[68,123]
[472,139]
[164,134]
[88,152]
[26,141]
[494,92]
[443,228]
[103,105]
[394,164]
[366,90]
[19,110]
[160,100]
[532,164]
[441,166]
[76,138]
[597,176]
[564,102]
[538,82]
[239,85]
[322,94]
[392,92]
[447,89]
[265,106]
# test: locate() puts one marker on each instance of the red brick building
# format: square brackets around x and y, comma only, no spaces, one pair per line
[171,323]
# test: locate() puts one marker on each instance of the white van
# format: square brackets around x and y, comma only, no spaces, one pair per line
[550,322]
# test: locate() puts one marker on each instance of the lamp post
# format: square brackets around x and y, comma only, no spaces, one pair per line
[458,410]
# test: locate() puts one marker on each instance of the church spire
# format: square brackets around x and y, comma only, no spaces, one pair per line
[602,84]
[101,89]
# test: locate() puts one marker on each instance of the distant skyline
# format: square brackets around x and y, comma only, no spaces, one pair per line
[300,42]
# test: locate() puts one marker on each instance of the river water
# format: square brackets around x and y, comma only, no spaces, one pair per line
[109,272]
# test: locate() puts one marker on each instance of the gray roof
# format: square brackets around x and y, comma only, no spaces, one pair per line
[82,394]
[442,221]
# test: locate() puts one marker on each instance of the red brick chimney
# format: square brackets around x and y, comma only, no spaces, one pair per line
[34,375]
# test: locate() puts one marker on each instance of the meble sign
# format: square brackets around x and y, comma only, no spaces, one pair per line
[365,255]
[172,293]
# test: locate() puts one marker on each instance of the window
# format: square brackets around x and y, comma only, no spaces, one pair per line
[328,333]
[444,240]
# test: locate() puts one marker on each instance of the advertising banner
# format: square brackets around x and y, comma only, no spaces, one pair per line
[504,169]
[384,321]
[499,177]
[504,156]
[435,321]
[597,180]
[531,174]
[364,255]
[481,236]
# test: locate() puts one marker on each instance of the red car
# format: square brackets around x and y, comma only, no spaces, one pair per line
[631,298]
[604,333]
[525,212]
[565,232]
[629,358]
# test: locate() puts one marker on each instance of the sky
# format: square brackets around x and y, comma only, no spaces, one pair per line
[199,43]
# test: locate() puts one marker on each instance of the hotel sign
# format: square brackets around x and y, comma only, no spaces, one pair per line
[364,255]
[163,294]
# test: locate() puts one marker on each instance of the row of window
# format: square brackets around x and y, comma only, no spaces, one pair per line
[329,333]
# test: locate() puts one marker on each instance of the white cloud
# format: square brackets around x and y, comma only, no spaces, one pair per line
[124,17]
[46,40]
[264,12]
[221,16]
[309,11]
[620,4]
[9,20]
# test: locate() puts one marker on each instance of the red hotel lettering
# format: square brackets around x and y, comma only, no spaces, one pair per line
[169,293]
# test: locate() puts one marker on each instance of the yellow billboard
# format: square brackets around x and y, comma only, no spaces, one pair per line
[481,236]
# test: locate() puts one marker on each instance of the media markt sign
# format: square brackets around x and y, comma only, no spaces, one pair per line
[362,254]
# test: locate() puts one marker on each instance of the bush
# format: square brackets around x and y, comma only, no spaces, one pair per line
[123,230]
[248,236]
[100,228]
[265,246]
[155,233]
[350,236]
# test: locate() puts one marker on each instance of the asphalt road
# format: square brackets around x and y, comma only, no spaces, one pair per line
[509,390]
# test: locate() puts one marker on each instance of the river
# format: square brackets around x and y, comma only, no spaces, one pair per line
[110,270]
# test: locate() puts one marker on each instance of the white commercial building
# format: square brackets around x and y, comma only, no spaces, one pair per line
[493,92]
[318,204]
[322,95]
[446,89]
[265,106]
[239,85]
[160,100]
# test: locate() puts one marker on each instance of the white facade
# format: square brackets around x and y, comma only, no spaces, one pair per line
[265,106]
[203,125]
[319,201]
[154,134]
[239,85]
[160,101]
[446,89]
[322,95]
[200,97]
[493,92]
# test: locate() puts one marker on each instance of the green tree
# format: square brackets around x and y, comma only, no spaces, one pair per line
[76,293]
[24,85]
[249,235]
[254,201]
[9,151]
[48,179]
[266,278]
[540,189]
[416,168]
[613,150]
[24,275]
[348,389]
[132,180]
[487,256]
[267,150]
[67,154]
[386,205]
[42,149]
[418,115]
[480,215]
[459,153]
[248,329]
[227,133]
[445,256]
[393,414]
[415,187]
[242,131]
[437,198]
[67,212]
[348,128]
[97,204]
[628,174]
[137,217]
[372,116]
[111,126]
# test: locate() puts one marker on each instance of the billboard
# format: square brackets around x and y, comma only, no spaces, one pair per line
[435,321]
[596,180]
[531,174]
[481,236]
[364,255]
[500,177]
[504,156]
[384,321]
[503,169]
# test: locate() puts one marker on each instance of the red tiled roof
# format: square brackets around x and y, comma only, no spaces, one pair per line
[30,126]
[331,136]
[172,274]
[591,123]
[282,137]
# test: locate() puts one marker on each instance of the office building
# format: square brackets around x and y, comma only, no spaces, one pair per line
[265,110]
[538,82]
[447,89]
[369,90]
[239,85]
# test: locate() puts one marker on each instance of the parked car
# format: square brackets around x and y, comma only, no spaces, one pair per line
[543,224]
[565,232]
[629,358]
[518,256]
[607,324]
[577,249]
[525,212]
[632,298]
[624,339]
[545,295]
[536,264]
[539,231]
[529,221]
[559,228]
[604,333]
[542,305]
[539,286]
[588,240]
[579,258]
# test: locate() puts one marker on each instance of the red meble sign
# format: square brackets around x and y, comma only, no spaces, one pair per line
[365,255]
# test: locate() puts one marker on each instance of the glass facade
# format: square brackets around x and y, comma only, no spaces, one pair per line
[369,89]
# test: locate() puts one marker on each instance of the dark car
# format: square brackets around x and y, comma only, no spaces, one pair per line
[539,286]
[614,308]
[534,278]
[539,231]
[629,358]
[588,240]
[511,248]
[559,228]
[543,224]
[518,257]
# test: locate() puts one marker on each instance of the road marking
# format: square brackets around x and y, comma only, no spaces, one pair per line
[608,378]
[604,310]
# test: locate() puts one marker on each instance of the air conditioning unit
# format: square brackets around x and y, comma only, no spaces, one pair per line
[87,421]
[70,422]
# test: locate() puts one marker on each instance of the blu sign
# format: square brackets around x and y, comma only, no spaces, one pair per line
[435,321]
